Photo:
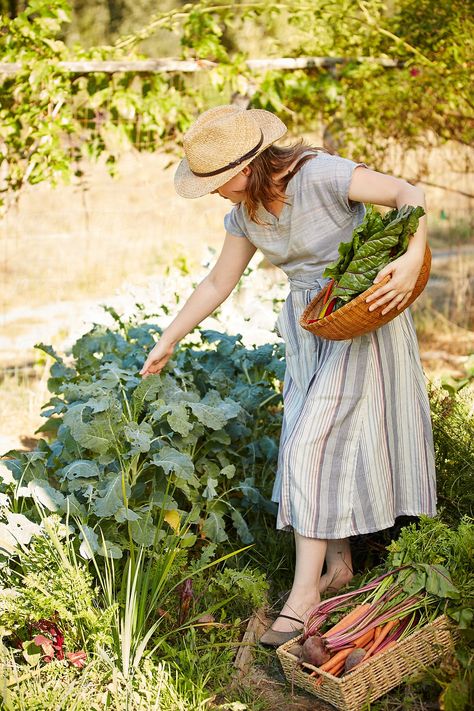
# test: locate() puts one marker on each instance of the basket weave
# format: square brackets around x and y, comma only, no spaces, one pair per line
[374,677]
[354,318]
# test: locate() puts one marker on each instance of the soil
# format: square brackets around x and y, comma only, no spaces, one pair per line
[272,687]
[259,671]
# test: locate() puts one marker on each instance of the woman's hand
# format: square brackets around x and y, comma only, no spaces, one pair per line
[157,358]
[403,274]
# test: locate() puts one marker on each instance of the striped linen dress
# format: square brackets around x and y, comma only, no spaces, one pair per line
[356,447]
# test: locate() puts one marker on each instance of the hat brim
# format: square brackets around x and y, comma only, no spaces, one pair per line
[189,185]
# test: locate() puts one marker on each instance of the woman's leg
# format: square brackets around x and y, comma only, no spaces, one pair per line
[304,595]
[338,566]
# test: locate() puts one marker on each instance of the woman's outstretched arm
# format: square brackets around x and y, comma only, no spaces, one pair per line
[371,187]
[209,294]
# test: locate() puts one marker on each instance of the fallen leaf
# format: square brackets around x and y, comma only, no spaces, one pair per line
[77,659]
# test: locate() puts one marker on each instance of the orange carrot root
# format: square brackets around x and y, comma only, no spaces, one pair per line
[340,656]
[348,619]
[377,632]
[335,671]
[385,631]
[364,639]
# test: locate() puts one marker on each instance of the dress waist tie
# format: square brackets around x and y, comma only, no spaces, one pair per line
[309,283]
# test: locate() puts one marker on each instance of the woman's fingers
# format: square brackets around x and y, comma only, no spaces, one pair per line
[398,289]
[153,366]
[390,299]
[148,366]
[383,296]
[152,369]
[383,289]
[395,302]
[157,359]
[405,299]
[386,271]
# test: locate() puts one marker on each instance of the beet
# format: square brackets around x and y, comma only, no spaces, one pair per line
[314,651]
[353,659]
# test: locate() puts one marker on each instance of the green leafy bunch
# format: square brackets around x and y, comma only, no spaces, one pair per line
[130,457]
[251,585]
[431,542]
[375,242]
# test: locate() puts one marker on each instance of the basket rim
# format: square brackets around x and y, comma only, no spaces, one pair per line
[349,306]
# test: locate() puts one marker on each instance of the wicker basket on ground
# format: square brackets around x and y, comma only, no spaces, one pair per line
[354,318]
[376,676]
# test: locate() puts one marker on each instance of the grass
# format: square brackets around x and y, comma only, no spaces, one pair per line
[24,391]
[85,240]
[123,670]
[55,686]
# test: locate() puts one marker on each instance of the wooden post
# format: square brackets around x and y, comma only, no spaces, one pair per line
[157,66]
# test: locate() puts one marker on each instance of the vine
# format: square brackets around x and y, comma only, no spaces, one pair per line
[51,118]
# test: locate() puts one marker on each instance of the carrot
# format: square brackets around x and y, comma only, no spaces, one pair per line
[336,658]
[377,632]
[348,619]
[364,639]
[335,671]
[388,626]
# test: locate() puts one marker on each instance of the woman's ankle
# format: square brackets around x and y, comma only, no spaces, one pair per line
[334,580]
[298,607]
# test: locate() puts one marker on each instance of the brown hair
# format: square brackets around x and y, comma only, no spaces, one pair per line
[261,188]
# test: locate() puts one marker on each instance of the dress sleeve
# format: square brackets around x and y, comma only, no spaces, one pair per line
[340,172]
[234,224]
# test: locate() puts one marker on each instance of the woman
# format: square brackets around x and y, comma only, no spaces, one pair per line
[356,446]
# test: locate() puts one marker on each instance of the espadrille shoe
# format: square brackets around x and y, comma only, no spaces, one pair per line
[273,638]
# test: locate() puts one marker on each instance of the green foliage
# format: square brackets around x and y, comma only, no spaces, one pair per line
[52,118]
[453,385]
[155,685]
[250,585]
[46,581]
[433,542]
[130,457]
[453,431]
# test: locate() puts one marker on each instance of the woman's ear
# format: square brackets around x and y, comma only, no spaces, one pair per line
[247,170]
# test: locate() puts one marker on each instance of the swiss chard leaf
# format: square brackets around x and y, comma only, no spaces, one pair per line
[375,242]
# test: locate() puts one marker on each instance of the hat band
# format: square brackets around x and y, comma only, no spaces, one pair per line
[234,163]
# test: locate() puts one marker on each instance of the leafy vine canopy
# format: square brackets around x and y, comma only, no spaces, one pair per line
[51,117]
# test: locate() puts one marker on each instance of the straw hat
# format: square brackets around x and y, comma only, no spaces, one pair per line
[220,143]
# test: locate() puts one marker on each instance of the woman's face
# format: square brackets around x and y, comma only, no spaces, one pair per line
[234,189]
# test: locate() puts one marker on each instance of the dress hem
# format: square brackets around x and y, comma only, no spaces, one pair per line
[330,536]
